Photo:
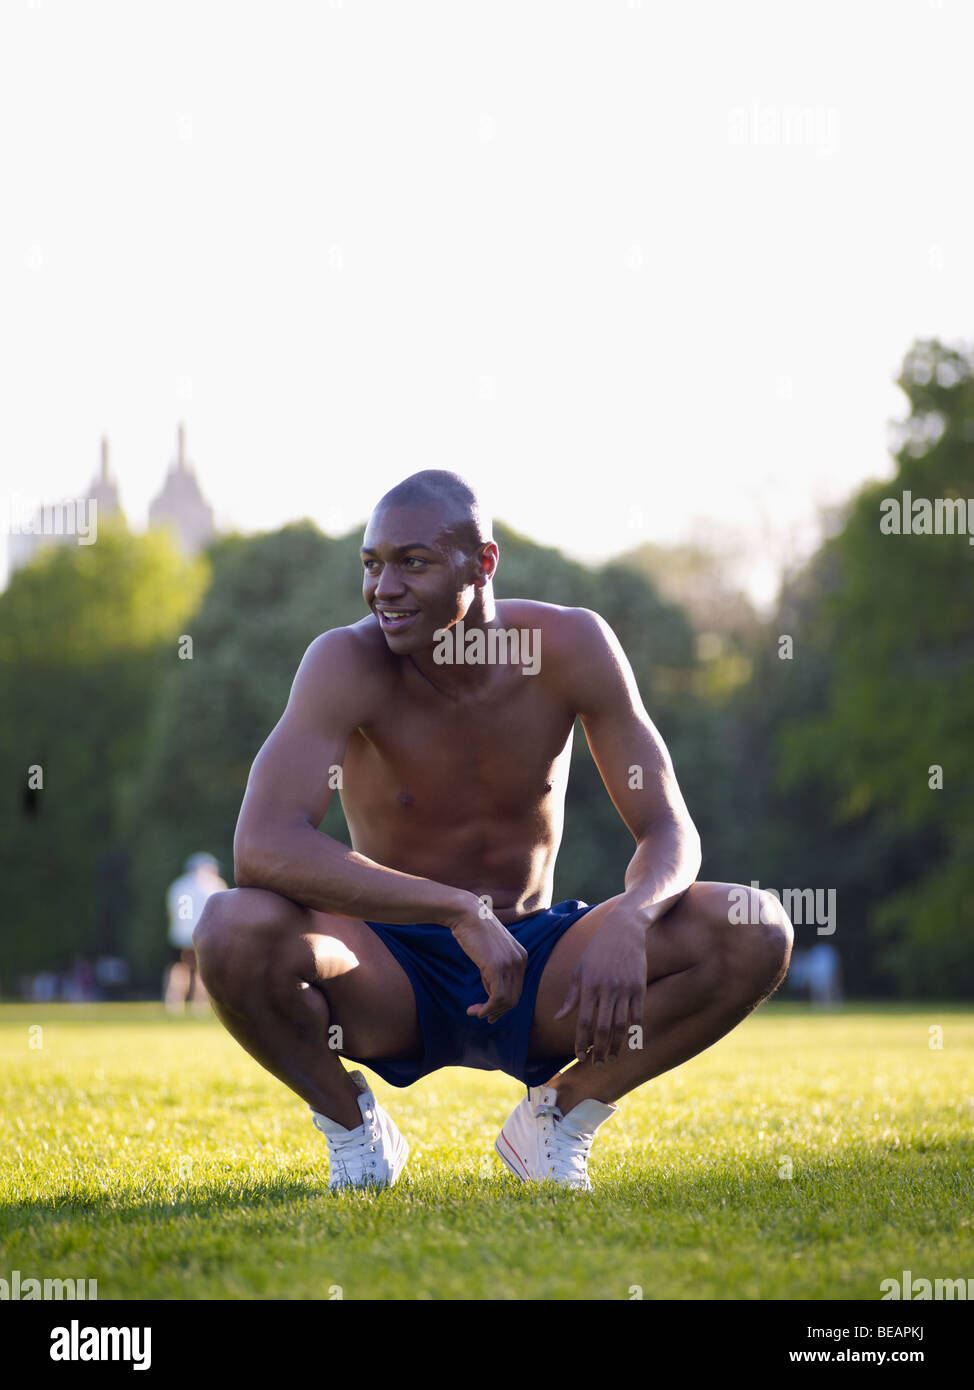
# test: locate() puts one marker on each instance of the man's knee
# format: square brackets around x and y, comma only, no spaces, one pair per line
[750,932]
[764,939]
[237,931]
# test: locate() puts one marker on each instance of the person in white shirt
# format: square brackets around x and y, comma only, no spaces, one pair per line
[185,901]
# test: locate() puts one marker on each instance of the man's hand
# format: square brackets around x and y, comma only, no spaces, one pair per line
[609,984]
[501,959]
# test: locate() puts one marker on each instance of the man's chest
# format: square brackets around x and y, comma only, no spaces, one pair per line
[504,749]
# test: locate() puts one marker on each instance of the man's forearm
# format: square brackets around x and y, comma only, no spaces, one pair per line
[318,872]
[666,862]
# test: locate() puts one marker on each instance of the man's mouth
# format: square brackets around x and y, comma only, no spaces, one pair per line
[394,619]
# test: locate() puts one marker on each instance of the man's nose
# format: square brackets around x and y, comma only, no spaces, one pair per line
[390,583]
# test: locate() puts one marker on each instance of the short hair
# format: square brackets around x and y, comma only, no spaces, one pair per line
[465,511]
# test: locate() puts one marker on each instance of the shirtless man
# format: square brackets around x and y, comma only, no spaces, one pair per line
[433,942]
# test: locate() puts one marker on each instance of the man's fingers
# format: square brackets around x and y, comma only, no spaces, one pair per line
[620,1019]
[500,998]
[491,1011]
[605,1013]
[585,1024]
[603,1029]
[508,982]
[489,1006]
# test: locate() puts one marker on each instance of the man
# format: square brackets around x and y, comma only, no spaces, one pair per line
[433,942]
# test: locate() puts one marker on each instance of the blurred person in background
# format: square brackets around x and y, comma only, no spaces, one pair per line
[112,976]
[185,901]
[823,975]
[78,984]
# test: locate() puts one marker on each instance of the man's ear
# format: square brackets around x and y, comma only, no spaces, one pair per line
[487,566]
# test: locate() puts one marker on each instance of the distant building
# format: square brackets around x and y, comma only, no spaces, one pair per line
[104,488]
[182,506]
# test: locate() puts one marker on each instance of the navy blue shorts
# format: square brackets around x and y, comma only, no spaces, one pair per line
[446,982]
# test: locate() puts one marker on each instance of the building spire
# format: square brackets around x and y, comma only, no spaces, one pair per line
[181,505]
[104,458]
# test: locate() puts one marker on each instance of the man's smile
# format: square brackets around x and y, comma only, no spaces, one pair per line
[394,619]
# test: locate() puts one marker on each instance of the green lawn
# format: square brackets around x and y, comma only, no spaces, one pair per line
[154,1155]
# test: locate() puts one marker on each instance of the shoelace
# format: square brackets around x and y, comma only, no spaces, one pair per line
[356,1151]
[568,1153]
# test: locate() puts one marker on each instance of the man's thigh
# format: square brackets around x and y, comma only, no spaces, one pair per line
[678,941]
[262,936]
[369,994]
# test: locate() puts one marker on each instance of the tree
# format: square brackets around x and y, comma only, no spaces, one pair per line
[891,741]
[84,635]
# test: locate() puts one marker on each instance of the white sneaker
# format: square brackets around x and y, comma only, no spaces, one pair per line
[372,1155]
[538,1142]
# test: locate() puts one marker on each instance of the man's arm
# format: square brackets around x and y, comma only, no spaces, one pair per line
[637,771]
[609,984]
[277,844]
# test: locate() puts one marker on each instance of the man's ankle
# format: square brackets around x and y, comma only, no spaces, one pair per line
[342,1107]
[566,1100]
[569,1096]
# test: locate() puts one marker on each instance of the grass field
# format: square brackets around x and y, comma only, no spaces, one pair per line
[155,1156]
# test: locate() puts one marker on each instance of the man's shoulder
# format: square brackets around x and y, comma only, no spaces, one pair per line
[549,617]
[359,645]
[346,667]
[562,629]
[576,645]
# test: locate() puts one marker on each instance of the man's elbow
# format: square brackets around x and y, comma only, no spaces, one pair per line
[246,874]
[250,867]
[265,857]
[694,847]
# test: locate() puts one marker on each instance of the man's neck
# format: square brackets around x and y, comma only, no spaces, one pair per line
[455,676]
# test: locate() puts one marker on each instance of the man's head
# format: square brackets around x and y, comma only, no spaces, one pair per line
[427,554]
[197,863]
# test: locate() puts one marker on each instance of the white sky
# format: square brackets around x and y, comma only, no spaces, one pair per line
[577,251]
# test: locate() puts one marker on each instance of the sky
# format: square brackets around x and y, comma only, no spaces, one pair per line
[640,271]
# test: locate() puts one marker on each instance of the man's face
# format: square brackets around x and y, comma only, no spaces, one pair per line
[416,576]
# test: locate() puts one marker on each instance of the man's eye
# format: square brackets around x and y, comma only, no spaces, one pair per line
[410,559]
